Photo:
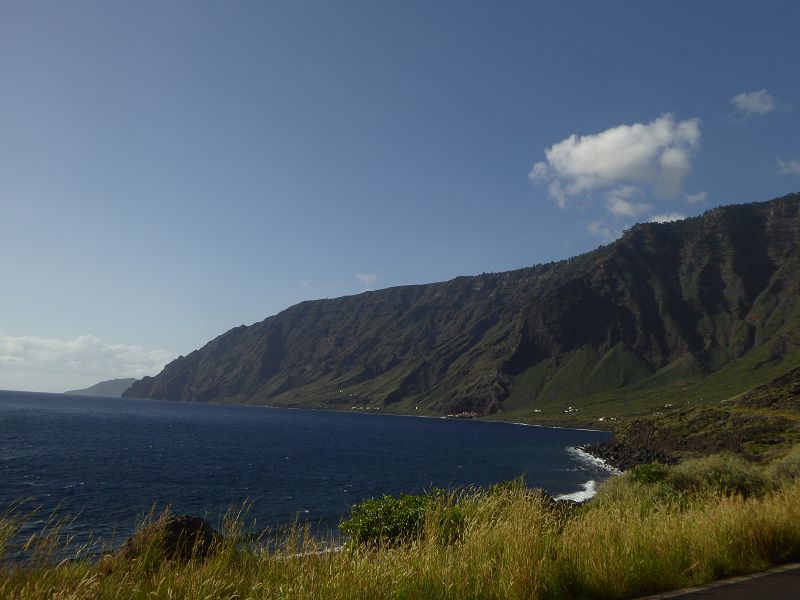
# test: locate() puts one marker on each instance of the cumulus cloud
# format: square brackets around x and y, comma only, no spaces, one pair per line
[52,364]
[619,202]
[367,280]
[656,155]
[759,102]
[789,167]
[668,217]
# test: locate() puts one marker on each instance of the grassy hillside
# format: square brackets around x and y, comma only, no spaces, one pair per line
[760,424]
[692,311]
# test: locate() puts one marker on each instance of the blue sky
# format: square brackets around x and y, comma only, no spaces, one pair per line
[169,170]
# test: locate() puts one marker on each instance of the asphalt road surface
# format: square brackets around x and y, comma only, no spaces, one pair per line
[780,583]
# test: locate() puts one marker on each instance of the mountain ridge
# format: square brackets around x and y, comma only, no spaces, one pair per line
[112,388]
[687,310]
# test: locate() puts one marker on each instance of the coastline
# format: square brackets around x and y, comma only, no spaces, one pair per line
[588,488]
[596,460]
[480,419]
[550,426]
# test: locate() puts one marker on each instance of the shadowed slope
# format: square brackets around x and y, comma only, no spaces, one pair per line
[697,309]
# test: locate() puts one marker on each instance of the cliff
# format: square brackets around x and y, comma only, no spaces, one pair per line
[691,311]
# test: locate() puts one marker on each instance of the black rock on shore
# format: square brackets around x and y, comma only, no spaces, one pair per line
[624,456]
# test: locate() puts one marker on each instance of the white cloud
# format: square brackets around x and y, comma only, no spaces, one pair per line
[367,280]
[668,217]
[788,167]
[52,364]
[754,103]
[697,198]
[602,230]
[657,154]
[619,203]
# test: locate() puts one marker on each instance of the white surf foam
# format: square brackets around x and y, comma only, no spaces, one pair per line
[598,462]
[588,491]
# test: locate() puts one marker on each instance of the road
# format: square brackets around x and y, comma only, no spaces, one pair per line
[779,583]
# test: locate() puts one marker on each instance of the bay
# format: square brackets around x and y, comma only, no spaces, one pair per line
[107,461]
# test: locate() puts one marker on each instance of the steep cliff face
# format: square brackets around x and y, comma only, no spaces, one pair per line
[694,309]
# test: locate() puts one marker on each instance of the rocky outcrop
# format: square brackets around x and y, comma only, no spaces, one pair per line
[624,456]
[758,424]
[173,537]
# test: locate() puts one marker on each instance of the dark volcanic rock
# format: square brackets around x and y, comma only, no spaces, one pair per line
[758,424]
[175,538]
[625,456]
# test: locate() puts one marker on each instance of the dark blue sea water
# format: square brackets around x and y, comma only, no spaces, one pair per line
[109,460]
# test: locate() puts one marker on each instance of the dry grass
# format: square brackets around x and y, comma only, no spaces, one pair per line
[634,539]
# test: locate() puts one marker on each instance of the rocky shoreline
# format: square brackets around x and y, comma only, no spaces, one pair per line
[623,456]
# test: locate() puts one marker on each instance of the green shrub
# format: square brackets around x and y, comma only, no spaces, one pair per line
[649,473]
[389,520]
[386,520]
[721,473]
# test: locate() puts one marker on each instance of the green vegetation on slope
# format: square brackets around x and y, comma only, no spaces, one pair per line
[759,424]
[691,311]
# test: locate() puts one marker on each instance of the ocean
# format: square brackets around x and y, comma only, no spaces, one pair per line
[105,462]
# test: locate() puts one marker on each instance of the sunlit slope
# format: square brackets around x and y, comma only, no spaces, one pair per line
[695,310]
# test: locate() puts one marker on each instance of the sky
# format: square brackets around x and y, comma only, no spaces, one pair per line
[170,170]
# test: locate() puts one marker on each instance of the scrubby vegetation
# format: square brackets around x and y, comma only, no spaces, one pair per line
[761,424]
[654,528]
